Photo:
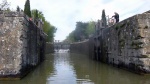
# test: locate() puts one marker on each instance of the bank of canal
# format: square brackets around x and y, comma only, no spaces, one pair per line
[69,68]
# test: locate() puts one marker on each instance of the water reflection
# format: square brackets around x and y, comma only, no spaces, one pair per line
[63,70]
[38,75]
[68,68]
[100,73]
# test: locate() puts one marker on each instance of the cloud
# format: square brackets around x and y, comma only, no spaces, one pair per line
[65,13]
[106,1]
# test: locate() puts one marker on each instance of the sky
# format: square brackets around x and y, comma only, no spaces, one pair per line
[63,14]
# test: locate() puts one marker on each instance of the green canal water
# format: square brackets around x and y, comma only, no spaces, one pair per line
[69,68]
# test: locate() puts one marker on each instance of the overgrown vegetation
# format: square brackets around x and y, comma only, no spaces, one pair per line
[38,15]
[48,28]
[82,31]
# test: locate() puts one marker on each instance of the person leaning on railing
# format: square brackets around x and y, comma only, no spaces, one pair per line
[116,16]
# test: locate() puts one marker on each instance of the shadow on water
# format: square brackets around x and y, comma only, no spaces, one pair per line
[100,73]
[69,68]
[38,75]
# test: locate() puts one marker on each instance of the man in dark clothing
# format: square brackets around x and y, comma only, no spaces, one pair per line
[116,16]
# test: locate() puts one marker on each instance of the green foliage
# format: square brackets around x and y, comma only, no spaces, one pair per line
[104,23]
[37,14]
[81,32]
[70,38]
[47,27]
[49,30]
[90,28]
[27,8]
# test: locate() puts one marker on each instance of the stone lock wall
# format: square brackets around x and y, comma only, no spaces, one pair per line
[125,44]
[49,48]
[83,47]
[22,45]
[80,47]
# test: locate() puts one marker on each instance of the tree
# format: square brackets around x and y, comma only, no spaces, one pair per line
[70,37]
[4,5]
[82,31]
[104,22]
[49,30]
[47,27]
[18,9]
[36,14]
[27,8]
[90,28]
